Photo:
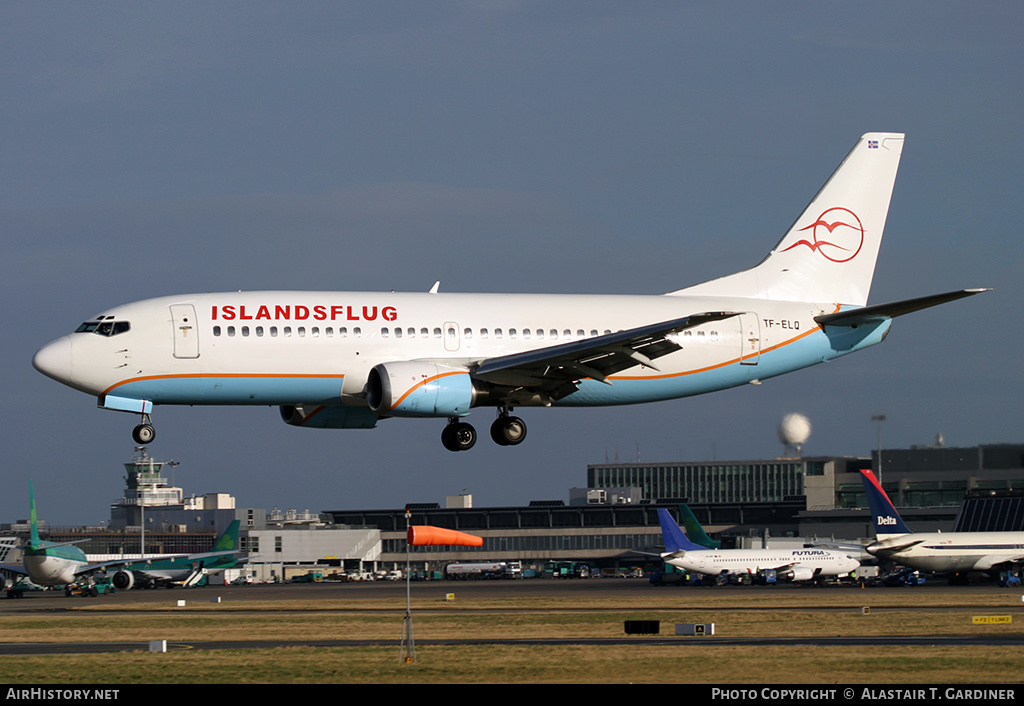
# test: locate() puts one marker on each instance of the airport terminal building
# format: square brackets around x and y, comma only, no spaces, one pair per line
[610,523]
[614,519]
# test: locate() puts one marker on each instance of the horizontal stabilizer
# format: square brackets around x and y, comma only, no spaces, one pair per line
[880,312]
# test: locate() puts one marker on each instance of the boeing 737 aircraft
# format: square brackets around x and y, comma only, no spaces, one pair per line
[794,564]
[344,360]
[64,564]
[954,553]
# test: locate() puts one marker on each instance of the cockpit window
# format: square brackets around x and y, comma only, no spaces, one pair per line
[104,328]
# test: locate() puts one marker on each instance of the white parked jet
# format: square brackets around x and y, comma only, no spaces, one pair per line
[795,564]
[344,359]
[953,553]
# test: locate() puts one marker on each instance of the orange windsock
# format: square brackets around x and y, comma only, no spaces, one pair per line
[439,536]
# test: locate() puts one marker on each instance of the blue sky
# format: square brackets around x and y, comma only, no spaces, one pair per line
[606,147]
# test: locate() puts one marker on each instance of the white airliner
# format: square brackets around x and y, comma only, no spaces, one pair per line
[345,359]
[954,553]
[795,564]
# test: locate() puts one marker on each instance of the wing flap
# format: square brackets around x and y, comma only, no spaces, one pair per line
[598,358]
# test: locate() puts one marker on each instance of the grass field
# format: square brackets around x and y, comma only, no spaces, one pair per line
[688,660]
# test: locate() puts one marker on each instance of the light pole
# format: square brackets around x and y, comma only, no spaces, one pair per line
[407,654]
[879,419]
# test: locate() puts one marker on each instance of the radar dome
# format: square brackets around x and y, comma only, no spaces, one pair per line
[794,430]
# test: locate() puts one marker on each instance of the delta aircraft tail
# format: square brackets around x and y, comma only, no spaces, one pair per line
[829,253]
[887,521]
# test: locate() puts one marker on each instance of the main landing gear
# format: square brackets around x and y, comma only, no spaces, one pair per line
[506,430]
[144,433]
[458,436]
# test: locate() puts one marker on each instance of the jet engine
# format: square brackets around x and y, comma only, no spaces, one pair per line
[415,389]
[123,580]
[328,417]
[801,573]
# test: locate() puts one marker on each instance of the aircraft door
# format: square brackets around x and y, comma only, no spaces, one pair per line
[451,336]
[750,338]
[186,331]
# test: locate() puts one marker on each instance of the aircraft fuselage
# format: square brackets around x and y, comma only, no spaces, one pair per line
[282,348]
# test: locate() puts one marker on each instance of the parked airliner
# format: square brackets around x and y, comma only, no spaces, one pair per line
[345,360]
[64,564]
[795,564]
[953,553]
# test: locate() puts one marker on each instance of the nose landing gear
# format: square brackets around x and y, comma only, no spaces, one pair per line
[144,433]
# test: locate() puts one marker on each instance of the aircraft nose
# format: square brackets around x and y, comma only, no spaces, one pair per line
[54,359]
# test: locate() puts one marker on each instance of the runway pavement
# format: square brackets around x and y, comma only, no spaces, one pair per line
[585,591]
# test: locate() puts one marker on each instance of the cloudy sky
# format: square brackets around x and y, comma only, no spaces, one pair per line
[512,146]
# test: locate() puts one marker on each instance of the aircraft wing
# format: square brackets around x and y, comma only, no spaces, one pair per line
[555,370]
[880,312]
[138,562]
[15,569]
[896,548]
[121,563]
[1001,563]
[215,555]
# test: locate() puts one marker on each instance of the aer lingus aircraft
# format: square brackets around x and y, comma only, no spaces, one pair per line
[64,564]
[345,359]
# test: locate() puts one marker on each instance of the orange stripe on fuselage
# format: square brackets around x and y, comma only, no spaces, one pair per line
[421,383]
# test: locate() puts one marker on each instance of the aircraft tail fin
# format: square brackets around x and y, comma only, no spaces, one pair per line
[228,541]
[693,529]
[34,540]
[887,521]
[675,539]
[829,253]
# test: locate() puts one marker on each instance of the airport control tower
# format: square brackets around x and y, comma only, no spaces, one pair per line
[145,487]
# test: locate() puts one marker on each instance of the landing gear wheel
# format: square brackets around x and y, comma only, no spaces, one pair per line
[458,436]
[508,431]
[144,434]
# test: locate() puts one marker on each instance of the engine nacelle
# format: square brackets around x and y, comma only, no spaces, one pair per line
[123,580]
[5,583]
[411,389]
[328,417]
[801,573]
